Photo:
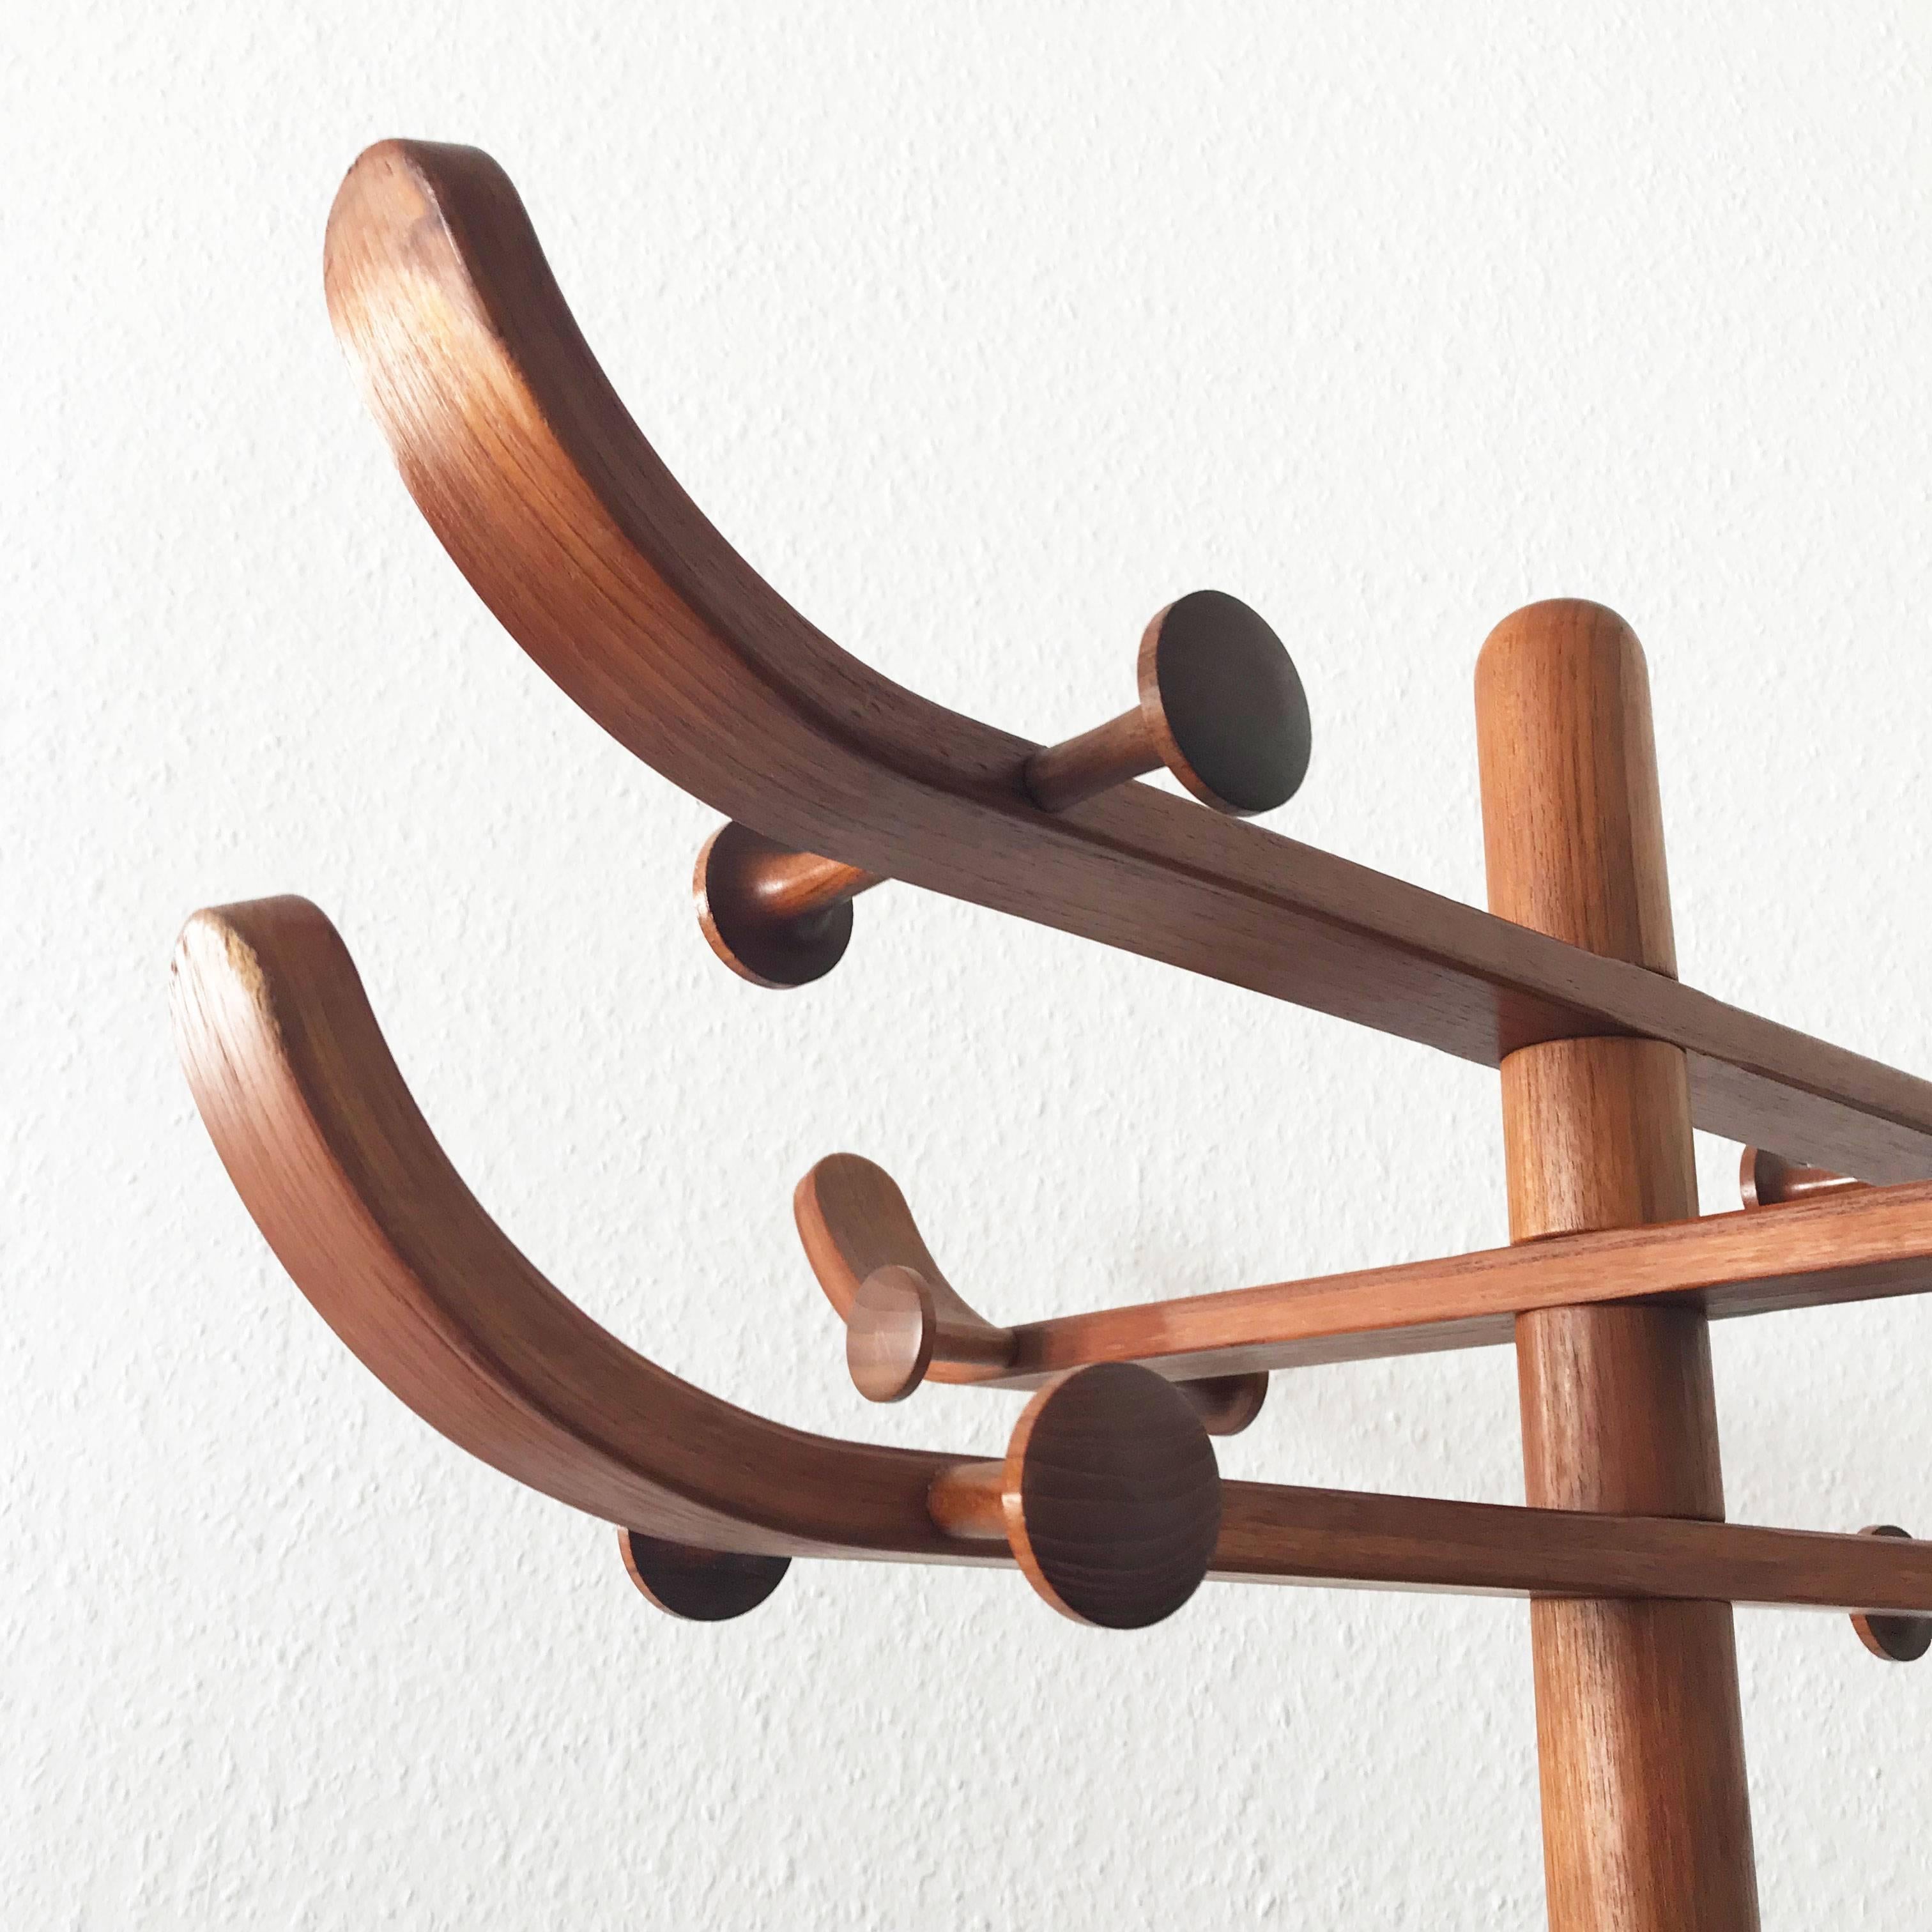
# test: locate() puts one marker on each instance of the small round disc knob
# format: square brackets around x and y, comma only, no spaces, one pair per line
[755,917]
[703,1586]
[1224,704]
[1111,1496]
[1898,1639]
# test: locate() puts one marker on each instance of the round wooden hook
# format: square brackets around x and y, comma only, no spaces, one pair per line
[1221,706]
[1765,1179]
[1898,1639]
[1109,1497]
[702,1586]
[777,918]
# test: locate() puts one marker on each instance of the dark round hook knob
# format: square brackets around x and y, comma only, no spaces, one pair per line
[1109,1497]
[1221,705]
[704,1586]
[1897,1638]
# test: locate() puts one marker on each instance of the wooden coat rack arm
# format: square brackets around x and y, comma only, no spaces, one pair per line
[1347,1538]
[524,460]
[335,1162]
[1830,1245]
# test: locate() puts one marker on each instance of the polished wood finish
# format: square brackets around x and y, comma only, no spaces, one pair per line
[524,460]
[1897,1639]
[1285,1533]
[329,1152]
[1767,1180]
[1109,1497]
[894,1329]
[852,1222]
[1646,1810]
[904,1321]
[776,918]
[331,1157]
[1869,1244]
[1221,706]
[703,1586]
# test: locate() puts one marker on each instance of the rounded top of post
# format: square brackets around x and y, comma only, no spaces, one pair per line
[1113,1498]
[1224,704]
[1561,626]
[1573,821]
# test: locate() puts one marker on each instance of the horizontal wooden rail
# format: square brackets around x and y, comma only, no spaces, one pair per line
[1861,1245]
[1855,1243]
[1277,1533]
[525,463]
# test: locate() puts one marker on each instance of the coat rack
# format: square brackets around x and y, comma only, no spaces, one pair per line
[833,780]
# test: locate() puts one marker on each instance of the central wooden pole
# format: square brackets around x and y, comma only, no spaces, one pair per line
[1646,1820]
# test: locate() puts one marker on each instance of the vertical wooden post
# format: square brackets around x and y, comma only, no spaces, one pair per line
[1646,1820]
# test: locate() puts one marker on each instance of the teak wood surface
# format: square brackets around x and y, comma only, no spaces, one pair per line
[525,463]
[1646,1813]
[333,1159]
[1856,1244]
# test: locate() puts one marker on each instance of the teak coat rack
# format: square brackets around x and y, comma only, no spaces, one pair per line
[833,780]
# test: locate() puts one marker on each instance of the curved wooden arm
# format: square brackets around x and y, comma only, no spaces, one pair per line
[361,1206]
[524,462]
[325,1145]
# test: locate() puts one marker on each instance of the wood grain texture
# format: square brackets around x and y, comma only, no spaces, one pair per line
[330,1155]
[904,1321]
[1286,1533]
[341,1172]
[524,462]
[1109,1497]
[1863,1245]
[1646,1817]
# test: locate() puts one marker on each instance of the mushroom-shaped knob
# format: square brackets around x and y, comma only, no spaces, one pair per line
[1221,706]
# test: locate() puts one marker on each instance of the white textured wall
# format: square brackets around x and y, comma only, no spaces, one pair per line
[982,338]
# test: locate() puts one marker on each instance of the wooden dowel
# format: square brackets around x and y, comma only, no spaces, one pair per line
[1095,761]
[1645,1813]
[795,885]
[968,1500]
[1283,1533]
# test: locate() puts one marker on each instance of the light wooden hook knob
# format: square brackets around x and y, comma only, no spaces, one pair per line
[1764,1179]
[1898,1639]
[1221,706]
[1108,1496]
[906,1323]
